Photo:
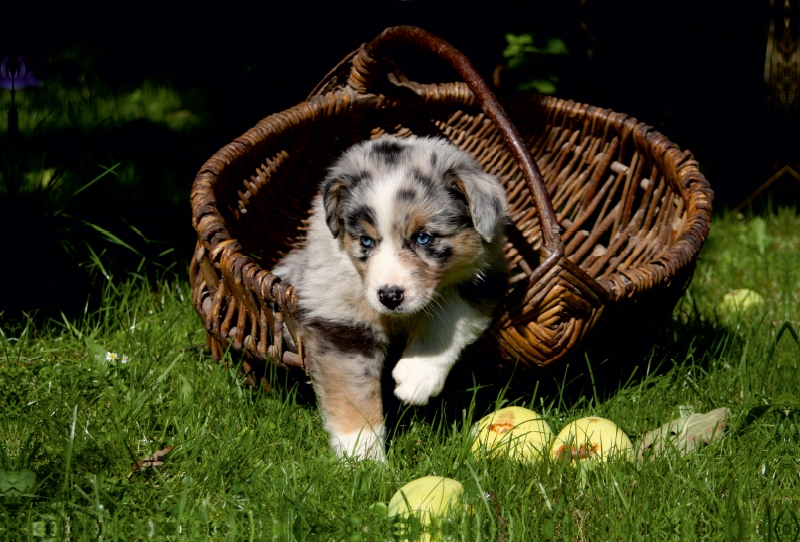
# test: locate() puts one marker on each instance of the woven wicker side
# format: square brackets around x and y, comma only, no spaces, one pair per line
[634,212]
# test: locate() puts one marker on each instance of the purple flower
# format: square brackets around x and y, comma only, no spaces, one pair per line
[14,75]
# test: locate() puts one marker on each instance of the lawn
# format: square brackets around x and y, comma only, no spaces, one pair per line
[83,398]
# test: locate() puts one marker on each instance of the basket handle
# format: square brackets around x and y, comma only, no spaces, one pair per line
[365,67]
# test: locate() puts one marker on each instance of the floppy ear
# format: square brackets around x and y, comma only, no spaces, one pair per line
[333,188]
[486,199]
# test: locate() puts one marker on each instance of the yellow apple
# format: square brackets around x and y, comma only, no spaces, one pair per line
[427,496]
[592,438]
[513,431]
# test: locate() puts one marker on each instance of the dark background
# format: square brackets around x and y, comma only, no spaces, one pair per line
[692,69]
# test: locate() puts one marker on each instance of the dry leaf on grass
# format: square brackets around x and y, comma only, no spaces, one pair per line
[686,434]
[155,460]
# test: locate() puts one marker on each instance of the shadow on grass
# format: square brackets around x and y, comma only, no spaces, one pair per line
[474,389]
[70,236]
[582,382]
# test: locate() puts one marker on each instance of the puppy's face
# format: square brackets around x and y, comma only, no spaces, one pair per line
[413,216]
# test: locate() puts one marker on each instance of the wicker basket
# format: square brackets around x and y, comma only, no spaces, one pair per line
[604,237]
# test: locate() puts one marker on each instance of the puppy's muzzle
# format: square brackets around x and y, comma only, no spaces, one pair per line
[390,297]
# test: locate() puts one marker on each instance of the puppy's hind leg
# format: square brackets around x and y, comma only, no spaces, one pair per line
[347,379]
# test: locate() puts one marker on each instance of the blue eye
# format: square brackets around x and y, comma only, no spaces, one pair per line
[423,238]
[367,242]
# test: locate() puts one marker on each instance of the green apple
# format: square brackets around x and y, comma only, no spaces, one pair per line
[740,300]
[512,431]
[427,496]
[592,438]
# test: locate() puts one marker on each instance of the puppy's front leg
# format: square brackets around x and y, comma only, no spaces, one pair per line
[434,346]
[346,373]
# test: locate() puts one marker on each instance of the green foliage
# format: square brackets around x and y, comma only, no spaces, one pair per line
[522,55]
[518,46]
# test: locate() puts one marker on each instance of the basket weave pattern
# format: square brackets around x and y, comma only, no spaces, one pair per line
[631,209]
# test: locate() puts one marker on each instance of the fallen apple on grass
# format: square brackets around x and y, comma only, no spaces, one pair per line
[512,431]
[740,300]
[592,438]
[426,497]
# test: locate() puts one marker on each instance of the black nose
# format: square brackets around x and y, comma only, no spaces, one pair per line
[391,297]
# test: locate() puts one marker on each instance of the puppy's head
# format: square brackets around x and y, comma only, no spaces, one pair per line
[414,216]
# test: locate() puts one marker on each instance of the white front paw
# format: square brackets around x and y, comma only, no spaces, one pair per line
[367,443]
[418,380]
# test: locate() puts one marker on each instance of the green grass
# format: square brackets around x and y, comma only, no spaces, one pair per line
[253,465]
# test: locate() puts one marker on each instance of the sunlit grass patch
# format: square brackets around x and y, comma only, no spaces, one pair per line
[758,253]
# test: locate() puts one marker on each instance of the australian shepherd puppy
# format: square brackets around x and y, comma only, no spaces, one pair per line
[405,243]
